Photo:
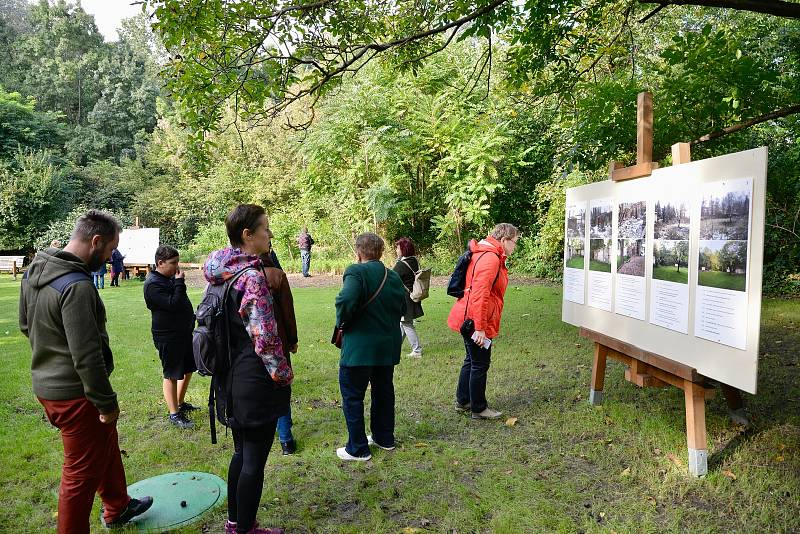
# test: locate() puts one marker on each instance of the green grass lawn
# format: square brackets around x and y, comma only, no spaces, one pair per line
[601,266]
[737,282]
[576,262]
[565,466]
[665,272]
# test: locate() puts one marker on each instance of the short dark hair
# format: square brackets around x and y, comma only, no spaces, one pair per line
[165,252]
[406,246]
[242,217]
[370,246]
[96,222]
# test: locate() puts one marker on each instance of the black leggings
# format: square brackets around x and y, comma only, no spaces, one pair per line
[246,473]
[115,279]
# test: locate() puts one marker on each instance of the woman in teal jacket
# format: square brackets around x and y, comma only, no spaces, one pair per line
[368,308]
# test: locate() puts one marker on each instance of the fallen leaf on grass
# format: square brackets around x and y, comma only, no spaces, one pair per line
[651,500]
[509,471]
[779,458]
[410,530]
[626,471]
[525,314]
[455,462]
[577,345]
[511,421]
[657,452]
[602,514]
[729,474]
[675,460]
[420,445]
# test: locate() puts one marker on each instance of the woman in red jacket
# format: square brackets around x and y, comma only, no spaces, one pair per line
[487,279]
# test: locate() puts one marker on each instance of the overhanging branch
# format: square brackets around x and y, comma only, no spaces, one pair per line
[779,8]
[748,123]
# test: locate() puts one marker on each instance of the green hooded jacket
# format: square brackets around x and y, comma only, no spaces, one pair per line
[66,326]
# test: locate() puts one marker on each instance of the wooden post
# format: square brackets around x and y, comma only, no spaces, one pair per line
[598,374]
[644,143]
[681,153]
[14,269]
[644,128]
[694,395]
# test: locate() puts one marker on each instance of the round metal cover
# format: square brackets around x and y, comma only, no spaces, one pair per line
[179,499]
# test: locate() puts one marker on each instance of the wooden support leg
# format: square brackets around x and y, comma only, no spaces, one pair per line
[694,395]
[598,374]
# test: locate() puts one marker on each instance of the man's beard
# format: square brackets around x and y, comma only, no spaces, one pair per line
[96,260]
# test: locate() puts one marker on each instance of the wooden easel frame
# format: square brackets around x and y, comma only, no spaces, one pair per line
[647,369]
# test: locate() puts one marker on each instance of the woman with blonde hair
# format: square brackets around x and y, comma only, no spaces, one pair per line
[477,314]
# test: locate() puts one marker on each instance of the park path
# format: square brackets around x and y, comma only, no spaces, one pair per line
[634,266]
[194,278]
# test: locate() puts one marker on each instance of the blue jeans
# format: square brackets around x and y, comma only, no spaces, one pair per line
[285,427]
[99,281]
[305,258]
[353,383]
[472,378]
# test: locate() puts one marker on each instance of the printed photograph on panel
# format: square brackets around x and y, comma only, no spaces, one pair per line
[630,257]
[725,211]
[672,219]
[600,255]
[632,220]
[600,220]
[723,264]
[575,253]
[671,261]
[576,221]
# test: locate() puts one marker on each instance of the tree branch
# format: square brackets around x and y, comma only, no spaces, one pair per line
[748,123]
[779,8]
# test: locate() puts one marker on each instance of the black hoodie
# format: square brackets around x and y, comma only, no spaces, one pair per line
[66,327]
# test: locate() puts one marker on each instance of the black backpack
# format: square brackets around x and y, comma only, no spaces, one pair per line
[210,342]
[458,280]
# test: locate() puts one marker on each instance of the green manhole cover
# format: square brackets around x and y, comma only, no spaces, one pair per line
[179,499]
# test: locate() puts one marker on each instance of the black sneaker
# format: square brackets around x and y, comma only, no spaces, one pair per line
[290,447]
[185,407]
[135,507]
[180,420]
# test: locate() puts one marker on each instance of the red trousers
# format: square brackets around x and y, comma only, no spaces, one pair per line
[92,464]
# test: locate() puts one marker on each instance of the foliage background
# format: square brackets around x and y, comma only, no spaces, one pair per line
[438,150]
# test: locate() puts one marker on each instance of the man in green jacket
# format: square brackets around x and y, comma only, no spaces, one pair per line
[369,308]
[61,313]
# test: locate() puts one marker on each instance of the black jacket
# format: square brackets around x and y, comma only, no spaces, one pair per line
[406,269]
[173,315]
[255,399]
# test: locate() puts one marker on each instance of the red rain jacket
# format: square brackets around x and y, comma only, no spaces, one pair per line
[483,296]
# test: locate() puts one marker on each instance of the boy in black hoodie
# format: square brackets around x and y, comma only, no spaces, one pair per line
[173,322]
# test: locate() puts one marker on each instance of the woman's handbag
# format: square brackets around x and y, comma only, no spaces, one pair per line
[336,338]
[338,330]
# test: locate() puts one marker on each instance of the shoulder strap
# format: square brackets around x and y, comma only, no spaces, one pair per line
[65,281]
[385,274]
[466,307]
[409,267]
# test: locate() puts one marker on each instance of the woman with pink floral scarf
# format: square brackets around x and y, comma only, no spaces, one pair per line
[258,383]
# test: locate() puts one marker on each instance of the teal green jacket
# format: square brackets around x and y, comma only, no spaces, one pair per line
[372,335]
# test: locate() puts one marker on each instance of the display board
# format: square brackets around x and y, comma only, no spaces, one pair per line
[139,246]
[673,263]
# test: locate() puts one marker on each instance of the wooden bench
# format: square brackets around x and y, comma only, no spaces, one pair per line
[11,264]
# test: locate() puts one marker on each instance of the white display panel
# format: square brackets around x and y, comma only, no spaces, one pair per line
[139,246]
[709,322]
[575,253]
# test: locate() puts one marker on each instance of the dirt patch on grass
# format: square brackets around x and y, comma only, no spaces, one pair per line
[194,278]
